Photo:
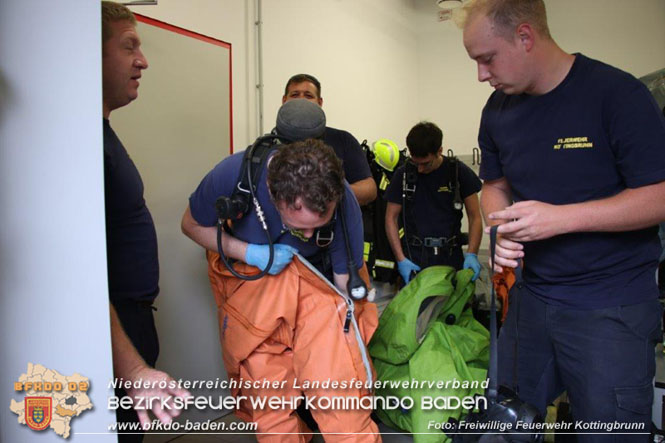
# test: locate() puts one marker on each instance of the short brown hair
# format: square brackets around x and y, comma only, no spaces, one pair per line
[114,12]
[507,15]
[308,170]
[300,78]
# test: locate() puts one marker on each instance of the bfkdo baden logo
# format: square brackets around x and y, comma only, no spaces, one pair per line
[38,412]
[51,400]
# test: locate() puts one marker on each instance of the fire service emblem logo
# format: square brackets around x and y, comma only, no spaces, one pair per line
[38,412]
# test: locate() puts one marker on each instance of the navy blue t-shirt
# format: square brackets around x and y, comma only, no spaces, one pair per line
[432,210]
[349,151]
[221,181]
[131,241]
[596,134]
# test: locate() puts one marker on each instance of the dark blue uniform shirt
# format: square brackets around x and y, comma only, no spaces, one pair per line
[596,134]
[349,151]
[431,212]
[222,180]
[131,241]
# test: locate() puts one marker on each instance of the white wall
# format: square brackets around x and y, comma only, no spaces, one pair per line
[54,299]
[232,22]
[364,53]
[386,64]
[628,35]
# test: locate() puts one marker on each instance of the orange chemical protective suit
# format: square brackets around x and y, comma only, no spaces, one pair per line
[502,282]
[290,328]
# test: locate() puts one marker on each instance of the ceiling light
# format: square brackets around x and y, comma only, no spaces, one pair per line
[449,4]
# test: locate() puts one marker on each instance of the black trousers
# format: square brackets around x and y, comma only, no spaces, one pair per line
[604,359]
[424,257]
[139,324]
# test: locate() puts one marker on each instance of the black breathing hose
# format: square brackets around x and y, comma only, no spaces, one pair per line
[355,287]
[262,220]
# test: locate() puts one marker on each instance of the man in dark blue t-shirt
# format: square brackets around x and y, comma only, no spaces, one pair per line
[432,212]
[573,163]
[131,241]
[347,148]
[298,224]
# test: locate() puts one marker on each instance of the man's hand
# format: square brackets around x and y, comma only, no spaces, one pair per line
[406,267]
[258,255]
[506,254]
[471,262]
[150,377]
[530,220]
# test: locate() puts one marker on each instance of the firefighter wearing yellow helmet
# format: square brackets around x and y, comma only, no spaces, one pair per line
[383,157]
[386,154]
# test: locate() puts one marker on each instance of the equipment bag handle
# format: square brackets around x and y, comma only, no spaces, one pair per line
[492,389]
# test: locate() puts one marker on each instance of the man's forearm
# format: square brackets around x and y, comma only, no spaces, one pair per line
[494,196]
[472,206]
[631,209]
[340,281]
[129,365]
[206,236]
[364,190]
[126,359]
[392,232]
[475,234]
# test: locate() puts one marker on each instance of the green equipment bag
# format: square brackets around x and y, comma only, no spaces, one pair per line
[429,345]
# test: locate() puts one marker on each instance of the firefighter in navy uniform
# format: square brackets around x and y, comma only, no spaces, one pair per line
[384,157]
[430,192]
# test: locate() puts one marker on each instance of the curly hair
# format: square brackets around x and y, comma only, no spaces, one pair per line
[308,170]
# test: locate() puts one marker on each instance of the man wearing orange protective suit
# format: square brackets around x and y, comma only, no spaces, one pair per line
[291,326]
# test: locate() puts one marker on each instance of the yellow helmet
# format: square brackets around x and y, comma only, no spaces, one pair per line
[386,153]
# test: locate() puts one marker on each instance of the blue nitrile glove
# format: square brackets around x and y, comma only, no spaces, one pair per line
[258,255]
[471,262]
[405,268]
